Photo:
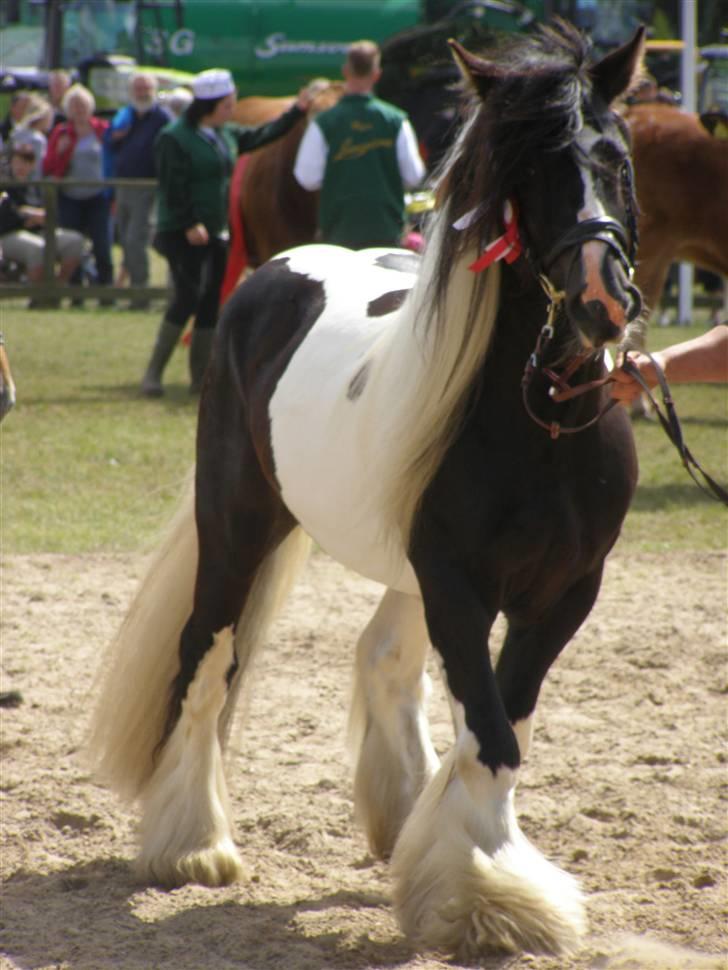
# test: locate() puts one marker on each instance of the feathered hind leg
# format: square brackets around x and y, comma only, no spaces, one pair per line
[388,726]
[187,830]
[165,705]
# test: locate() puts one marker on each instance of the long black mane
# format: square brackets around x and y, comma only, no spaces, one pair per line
[533,105]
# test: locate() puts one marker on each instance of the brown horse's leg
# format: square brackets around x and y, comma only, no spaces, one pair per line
[187,832]
[241,521]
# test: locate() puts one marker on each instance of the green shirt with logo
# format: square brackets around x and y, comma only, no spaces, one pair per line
[362,196]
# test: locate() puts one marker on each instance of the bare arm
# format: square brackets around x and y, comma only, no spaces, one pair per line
[703,359]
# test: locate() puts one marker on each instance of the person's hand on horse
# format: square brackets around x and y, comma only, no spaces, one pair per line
[305,97]
[197,235]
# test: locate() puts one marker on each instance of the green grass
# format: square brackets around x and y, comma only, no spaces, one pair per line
[87,463]
[90,466]
[669,511]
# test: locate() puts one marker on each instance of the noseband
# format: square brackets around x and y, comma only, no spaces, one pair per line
[601,229]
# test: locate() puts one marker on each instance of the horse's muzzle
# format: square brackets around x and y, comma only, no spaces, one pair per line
[604,300]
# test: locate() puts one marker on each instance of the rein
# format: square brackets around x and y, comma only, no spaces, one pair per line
[671,426]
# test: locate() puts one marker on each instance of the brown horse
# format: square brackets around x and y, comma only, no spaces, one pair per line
[681,174]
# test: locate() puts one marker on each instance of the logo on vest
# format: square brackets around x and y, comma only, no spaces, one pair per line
[350,149]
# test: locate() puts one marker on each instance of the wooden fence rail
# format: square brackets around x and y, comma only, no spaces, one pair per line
[48,288]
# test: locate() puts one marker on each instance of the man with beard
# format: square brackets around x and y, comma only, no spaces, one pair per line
[131,140]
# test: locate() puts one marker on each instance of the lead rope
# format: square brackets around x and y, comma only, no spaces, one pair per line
[671,426]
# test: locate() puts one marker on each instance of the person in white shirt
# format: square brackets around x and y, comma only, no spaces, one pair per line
[361,154]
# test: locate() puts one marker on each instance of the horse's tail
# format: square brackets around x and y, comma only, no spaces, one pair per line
[142,661]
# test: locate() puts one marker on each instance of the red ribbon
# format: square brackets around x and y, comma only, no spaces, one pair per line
[507,247]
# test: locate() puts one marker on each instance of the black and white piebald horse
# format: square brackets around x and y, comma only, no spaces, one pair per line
[441,427]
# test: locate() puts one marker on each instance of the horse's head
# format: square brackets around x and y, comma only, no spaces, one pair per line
[550,142]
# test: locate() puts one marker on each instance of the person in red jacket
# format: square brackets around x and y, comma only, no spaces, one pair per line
[76,151]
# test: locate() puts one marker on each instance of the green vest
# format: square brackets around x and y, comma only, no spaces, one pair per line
[194,176]
[362,196]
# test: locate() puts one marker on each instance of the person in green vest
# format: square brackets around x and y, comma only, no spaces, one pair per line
[361,154]
[195,155]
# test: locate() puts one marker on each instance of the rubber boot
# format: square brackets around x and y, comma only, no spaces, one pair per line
[200,350]
[167,339]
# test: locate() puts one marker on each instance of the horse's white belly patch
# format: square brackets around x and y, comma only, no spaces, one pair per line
[324,437]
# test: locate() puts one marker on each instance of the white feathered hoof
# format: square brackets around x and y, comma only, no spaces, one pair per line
[186,828]
[468,882]
[218,865]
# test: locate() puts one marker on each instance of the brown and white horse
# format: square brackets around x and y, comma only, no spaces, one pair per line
[377,404]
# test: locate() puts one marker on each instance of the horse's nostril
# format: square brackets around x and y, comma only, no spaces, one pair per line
[598,312]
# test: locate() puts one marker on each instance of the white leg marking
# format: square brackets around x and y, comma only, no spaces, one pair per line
[186,828]
[524,734]
[466,878]
[388,725]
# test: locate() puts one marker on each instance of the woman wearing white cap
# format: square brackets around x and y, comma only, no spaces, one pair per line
[195,158]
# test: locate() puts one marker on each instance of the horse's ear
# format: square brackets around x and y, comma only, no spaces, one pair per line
[619,70]
[479,73]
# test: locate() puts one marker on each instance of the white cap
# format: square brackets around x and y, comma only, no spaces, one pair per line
[215,83]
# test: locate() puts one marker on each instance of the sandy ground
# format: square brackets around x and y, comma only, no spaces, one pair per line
[625,786]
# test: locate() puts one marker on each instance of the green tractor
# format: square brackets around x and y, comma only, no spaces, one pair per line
[272,47]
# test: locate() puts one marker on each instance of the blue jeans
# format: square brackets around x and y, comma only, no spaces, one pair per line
[92,217]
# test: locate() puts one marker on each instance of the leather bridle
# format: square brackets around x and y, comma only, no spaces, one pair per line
[624,244]
[560,390]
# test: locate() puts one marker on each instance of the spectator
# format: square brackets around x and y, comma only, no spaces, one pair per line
[21,227]
[131,136]
[18,102]
[361,154]
[195,158]
[32,129]
[75,151]
[703,359]
[59,81]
